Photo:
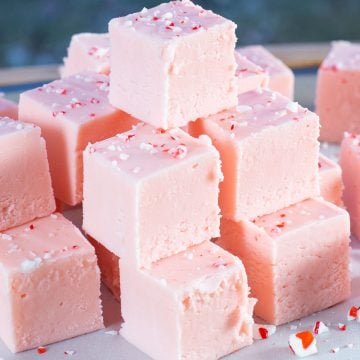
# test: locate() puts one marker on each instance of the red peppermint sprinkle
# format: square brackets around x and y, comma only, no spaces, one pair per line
[94,101]
[282,215]
[232,127]
[342,327]
[196,27]
[160,131]
[57,113]
[41,350]
[242,70]
[31,227]
[264,333]
[92,51]
[155,18]
[179,152]
[281,225]
[329,68]
[129,137]
[75,247]
[92,115]
[353,313]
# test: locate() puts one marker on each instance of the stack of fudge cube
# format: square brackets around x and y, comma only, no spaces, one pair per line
[50,281]
[151,193]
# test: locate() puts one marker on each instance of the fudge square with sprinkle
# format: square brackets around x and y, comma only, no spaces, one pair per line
[259,142]
[87,52]
[71,113]
[8,108]
[190,65]
[281,78]
[150,193]
[296,259]
[197,302]
[331,185]
[25,183]
[50,284]
[338,91]
[350,165]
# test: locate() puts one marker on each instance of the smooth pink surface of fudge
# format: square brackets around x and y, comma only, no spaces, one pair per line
[8,108]
[282,79]
[190,65]
[250,76]
[150,193]
[87,52]
[71,113]
[50,284]
[350,165]
[25,183]
[197,302]
[338,91]
[331,185]
[109,267]
[259,144]
[296,259]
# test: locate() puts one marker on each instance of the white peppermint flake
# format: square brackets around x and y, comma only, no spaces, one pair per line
[19,126]
[112,332]
[111,147]
[114,163]
[145,146]
[168,15]
[243,108]
[136,170]
[128,23]
[53,216]
[6,237]
[163,282]
[28,266]
[292,107]
[124,156]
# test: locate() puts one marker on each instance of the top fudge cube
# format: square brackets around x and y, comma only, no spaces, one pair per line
[149,193]
[281,77]
[87,52]
[25,183]
[190,65]
[71,113]
[338,97]
[259,144]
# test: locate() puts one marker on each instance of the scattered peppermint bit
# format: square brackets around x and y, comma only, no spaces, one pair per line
[128,23]
[53,216]
[303,343]
[262,331]
[342,327]
[190,256]
[293,327]
[19,127]
[5,237]
[350,346]
[335,350]
[146,146]
[70,352]
[28,266]
[320,328]
[111,147]
[114,163]
[112,332]
[352,313]
[292,107]
[179,152]
[123,156]
[31,227]
[243,108]
[41,350]
[168,15]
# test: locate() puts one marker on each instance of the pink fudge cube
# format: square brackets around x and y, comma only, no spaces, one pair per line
[337,94]
[151,193]
[8,108]
[25,183]
[71,113]
[197,302]
[50,284]
[296,259]
[250,76]
[109,267]
[350,165]
[87,52]
[190,65]
[282,79]
[331,185]
[259,144]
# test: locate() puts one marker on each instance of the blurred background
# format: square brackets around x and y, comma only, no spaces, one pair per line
[38,31]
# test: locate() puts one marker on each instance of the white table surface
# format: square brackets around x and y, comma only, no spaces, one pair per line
[102,346]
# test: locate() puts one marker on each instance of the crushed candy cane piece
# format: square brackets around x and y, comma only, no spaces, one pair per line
[320,328]
[70,352]
[112,332]
[41,350]
[262,331]
[352,313]
[303,344]
[342,327]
